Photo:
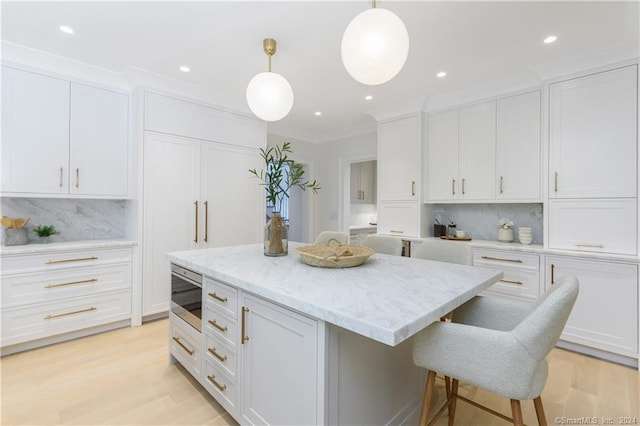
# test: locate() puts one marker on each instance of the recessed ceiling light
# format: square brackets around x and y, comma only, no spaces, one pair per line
[550,39]
[441,74]
[184,69]
[318,113]
[368,97]
[66,29]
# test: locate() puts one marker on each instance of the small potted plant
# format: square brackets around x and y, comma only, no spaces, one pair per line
[280,175]
[505,230]
[43,232]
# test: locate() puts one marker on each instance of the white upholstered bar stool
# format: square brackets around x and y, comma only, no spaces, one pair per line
[444,251]
[384,244]
[325,236]
[498,345]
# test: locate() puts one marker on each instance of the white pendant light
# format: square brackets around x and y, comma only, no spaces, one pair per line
[269,94]
[375,46]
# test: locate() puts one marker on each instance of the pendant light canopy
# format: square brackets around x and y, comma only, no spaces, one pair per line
[375,46]
[269,94]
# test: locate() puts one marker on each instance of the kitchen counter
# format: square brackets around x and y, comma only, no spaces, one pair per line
[388,299]
[64,246]
[363,227]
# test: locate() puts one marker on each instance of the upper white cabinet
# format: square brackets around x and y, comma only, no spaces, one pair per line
[483,152]
[363,182]
[399,159]
[593,135]
[62,138]
[519,148]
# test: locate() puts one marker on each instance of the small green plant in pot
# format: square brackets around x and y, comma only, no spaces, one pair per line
[279,176]
[43,232]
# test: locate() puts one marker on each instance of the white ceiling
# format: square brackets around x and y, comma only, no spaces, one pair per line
[221,42]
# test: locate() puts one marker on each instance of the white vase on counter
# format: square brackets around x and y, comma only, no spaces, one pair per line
[505,235]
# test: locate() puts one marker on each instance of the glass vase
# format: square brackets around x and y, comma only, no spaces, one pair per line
[276,236]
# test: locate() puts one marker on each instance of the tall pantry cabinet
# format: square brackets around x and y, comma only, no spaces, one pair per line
[197,191]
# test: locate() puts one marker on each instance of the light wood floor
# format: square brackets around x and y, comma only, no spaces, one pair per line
[123,378]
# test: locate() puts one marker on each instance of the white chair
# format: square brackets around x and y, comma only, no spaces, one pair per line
[498,345]
[325,236]
[383,244]
[444,251]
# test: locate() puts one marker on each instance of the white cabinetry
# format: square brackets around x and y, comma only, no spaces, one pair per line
[593,162]
[521,272]
[477,156]
[399,218]
[605,315]
[62,138]
[55,292]
[363,182]
[442,156]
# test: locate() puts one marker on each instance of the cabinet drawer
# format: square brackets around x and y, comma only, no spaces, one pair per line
[184,344]
[607,226]
[221,354]
[47,319]
[399,219]
[58,260]
[221,386]
[506,259]
[221,325]
[517,283]
[221,296]
[38,287]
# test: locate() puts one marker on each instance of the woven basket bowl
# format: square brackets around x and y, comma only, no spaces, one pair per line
[334,255]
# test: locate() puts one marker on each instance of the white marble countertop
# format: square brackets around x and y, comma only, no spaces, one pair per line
[363,227]
[388,299]
[63,246]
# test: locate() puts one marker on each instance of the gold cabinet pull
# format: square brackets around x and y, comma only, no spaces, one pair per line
[453,186]
[213,352]
[413,187]
[93,308]
[589,245]
[77,178]
[215,296]
[61,176]
[206,221]
[500,259]
[553,270]
[555,181]
[243,337]
[92,280]
[79,259]
[511,282]
[463,181]
[501,184]
[177,340]
[220,387]
[218,326]
[393,231]
[195,238]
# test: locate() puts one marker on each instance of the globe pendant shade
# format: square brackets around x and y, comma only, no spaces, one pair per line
[269,96]
[375,46]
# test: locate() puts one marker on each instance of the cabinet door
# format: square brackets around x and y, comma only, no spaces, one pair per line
[99,141]
[518,148]
[171,189]
[399,159]
[354,183]
[280,381]
[478,152]
[35,133]
[401,219]
[233,204]
[593,135]
[442,156]
[605,315]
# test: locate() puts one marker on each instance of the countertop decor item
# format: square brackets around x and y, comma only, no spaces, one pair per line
[334,254]
[44,232]
[279,176]
[14,233]
[447,237]
[505,231]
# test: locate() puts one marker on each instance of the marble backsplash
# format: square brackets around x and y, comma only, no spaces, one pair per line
[75,219]
[481,220]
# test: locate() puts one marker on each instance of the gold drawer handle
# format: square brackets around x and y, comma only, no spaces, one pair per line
[512,282]
[215,296]
[92,280]
[213,352]
[219,327]
[590,245]
[80,259]
[243,336]
[396,232]
[177,340]
[220,387]
[500,259]
[48,317]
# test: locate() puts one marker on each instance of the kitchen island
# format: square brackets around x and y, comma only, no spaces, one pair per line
[306,345]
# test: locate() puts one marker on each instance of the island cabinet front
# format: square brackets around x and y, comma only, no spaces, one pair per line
[260,360]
